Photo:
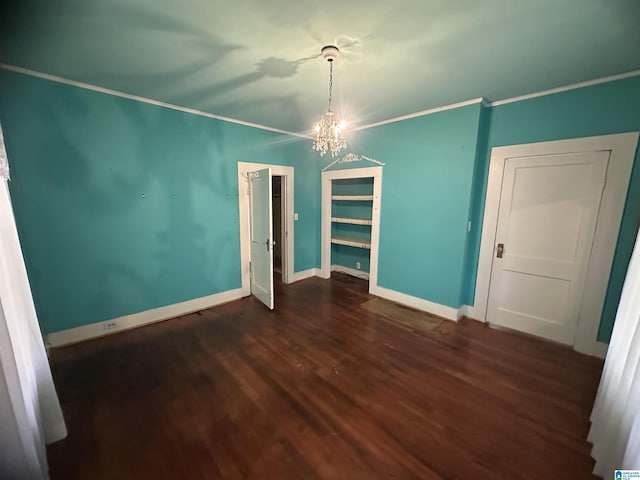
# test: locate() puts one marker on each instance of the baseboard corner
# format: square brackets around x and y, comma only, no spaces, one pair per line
[600,349]
[469,311]
[304,274]
[444,311]
[350,271]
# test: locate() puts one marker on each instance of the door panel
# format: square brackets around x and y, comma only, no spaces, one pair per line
[547,217]
[261,215]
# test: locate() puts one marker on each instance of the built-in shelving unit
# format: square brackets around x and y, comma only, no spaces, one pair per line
[351,242]
[353,198]
[353,221]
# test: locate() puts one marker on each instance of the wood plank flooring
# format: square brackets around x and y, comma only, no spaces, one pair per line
[321,388]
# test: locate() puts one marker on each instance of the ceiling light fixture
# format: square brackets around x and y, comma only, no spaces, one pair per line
[329,131]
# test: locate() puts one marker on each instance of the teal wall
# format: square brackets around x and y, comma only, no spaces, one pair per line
[426,191]
[123,206]
[476,204]
[347,256]
[307,192]
[607,108]
[353,186]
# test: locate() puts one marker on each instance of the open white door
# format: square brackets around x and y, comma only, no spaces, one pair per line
[261,215]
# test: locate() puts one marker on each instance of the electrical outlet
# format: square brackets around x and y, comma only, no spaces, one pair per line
[295,216]
[110,325]
[357,265]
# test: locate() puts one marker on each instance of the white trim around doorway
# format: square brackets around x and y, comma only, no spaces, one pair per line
[622,147]
[327,178]
[243,201]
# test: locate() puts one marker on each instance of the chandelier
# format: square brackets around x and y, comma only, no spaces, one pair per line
[329,131]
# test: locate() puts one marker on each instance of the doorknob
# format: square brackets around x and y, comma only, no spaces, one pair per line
[269,244]
[500,250]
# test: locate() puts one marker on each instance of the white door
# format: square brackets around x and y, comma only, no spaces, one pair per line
[547,218]
[261,236]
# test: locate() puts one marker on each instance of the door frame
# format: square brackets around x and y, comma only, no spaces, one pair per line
[622,147]
[278,236]
[243,203]
[327,178]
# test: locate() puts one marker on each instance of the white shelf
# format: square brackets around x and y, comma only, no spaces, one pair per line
[352,197]
[351,242]
[353,221]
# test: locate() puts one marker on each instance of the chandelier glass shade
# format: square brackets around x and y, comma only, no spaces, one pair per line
[330,131]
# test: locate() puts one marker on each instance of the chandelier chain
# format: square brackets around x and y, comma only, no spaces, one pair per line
[330,83]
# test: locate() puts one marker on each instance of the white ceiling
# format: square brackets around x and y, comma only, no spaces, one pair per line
[258,61]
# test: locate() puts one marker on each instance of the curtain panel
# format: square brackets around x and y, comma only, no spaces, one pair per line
[615,420]
[30,413]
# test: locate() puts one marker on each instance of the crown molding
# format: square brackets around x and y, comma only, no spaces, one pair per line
[485,102]
[422,113]
[137,98]
[572,86]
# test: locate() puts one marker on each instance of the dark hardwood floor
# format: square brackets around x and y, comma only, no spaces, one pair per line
[321,389]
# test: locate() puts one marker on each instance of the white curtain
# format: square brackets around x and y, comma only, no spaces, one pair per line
[615,420]
[30,413]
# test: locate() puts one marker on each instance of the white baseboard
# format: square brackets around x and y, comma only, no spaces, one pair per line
[595,349]
[304,274]
[54,432]
[449,313]
[600,349]
[350,271]
[468,311]
[98,329]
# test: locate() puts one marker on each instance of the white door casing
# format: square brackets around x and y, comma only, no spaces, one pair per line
[621,148]
[261,234]
[243,205]
[547,216]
